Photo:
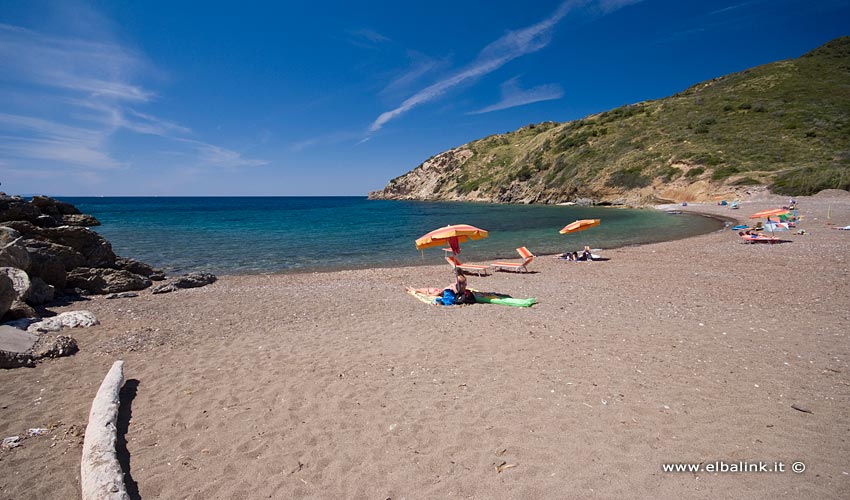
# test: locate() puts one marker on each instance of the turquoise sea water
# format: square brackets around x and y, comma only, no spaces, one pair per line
[274,234]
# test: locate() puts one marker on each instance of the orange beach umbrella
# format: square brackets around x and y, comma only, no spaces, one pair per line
[580,225]
[451,235]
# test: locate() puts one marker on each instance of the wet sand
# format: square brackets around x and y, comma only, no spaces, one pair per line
[340,385]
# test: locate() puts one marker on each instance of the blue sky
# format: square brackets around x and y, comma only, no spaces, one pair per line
[336,98]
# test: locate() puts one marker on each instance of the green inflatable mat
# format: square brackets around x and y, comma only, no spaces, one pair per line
[489,298]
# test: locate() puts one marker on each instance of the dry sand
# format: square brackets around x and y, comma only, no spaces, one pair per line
[341,386]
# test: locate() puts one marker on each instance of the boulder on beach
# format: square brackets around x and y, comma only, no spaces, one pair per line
[40,292]
[191,280]
[13,252]
[21,348]
[20,282]
[104,280]
[7,294]
[70,319]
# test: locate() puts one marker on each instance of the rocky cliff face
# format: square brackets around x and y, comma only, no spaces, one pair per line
[441,179]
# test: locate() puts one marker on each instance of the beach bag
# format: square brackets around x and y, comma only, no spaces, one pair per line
[466,297]
[449,298]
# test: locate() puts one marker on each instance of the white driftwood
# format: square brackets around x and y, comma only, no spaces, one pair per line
[101,477]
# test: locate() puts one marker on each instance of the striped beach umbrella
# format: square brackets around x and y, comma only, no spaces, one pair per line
[452,236]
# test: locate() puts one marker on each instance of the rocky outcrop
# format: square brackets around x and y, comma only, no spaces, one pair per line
[48,241]
[104,280]
[13,252]
[20,282]
[22,348]
[7,294]
[140,268]
[43,211]
[40,292]
[191,280]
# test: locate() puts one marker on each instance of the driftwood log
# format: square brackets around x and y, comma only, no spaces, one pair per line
[101,477]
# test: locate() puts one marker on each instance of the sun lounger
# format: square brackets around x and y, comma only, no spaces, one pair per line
[527,257]
[760,238]
[470,268]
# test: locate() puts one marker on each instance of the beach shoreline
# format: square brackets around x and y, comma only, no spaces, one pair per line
[340,385]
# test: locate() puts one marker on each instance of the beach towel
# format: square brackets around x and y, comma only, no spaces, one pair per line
[428,299]
[480,297]
[503,300]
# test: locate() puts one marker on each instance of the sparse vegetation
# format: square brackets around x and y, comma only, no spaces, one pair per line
[786,124]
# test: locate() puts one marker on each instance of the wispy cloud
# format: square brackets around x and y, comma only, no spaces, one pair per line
[513,95]
[72,94]
[326,139]
[510,46]
[212,155]
[420,66]
[741,5]
[367,38]
[39,139]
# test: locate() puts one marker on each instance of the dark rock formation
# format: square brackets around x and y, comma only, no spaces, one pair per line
[191,280]
[40,292]
[20,282]
[105,280]
[13,252]
[7,294]
[83,220]
[55,347]
[51,261]
[14,208]
[140,268]
[48,239]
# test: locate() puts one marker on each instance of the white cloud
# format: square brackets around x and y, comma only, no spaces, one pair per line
[512,45]
[420,66]
[513,95]
[72,94]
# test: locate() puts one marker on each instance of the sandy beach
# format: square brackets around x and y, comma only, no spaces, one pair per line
[341,386]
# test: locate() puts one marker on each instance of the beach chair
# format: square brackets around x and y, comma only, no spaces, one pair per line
[760,238]
[469,268]
[527,257]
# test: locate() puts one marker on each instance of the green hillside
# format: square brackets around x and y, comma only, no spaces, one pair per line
[784,124]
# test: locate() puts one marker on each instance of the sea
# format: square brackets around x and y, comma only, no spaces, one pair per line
[245,235]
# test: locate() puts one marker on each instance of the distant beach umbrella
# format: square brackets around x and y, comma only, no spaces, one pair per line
[774,227]
[764,214]
[580,225]
[767,214]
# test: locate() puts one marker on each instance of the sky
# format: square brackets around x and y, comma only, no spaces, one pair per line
[250,98]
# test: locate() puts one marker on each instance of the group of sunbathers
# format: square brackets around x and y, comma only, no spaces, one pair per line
[585,255]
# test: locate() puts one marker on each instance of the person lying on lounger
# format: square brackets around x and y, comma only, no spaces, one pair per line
[565,256]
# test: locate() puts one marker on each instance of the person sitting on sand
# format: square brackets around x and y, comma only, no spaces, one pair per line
[454,294]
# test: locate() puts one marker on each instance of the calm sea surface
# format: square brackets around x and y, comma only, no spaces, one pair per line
[274,234]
